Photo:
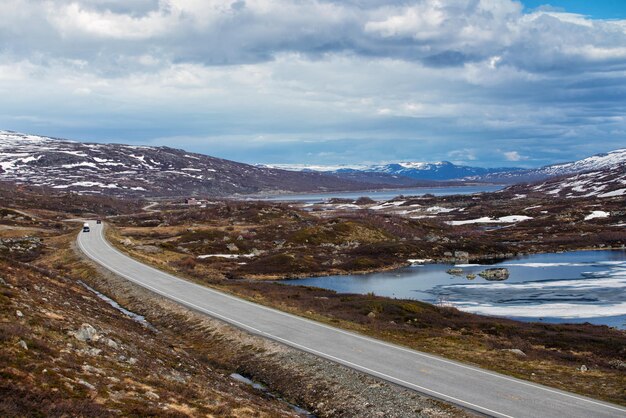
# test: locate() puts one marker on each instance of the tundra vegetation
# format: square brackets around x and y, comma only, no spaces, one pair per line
[236,246]
[66,351]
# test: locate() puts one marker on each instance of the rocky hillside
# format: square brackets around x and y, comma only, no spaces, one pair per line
[595,162]
[609,181]
[125,170]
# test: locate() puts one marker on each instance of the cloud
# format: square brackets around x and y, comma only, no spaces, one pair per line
[468,74]
[463,156]
[513,156]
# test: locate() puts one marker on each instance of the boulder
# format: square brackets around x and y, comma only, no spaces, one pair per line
[495,274]
[455,271]
[471,276]
[461,255]
[618,364]
[86,333]
[150,249]
[515,351]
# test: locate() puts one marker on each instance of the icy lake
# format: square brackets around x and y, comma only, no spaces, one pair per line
[381,194]
[580,286]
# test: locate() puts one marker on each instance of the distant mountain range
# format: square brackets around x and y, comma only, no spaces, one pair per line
[439,171]
[447,171]
[126,170]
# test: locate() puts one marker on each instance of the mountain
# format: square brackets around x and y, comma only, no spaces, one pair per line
[443,170]
[125,170]
[595,162]
[447,171]
[607,180]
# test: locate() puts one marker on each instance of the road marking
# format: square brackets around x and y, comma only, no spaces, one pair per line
[245,326]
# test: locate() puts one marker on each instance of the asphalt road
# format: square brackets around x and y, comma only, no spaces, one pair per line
[479,390]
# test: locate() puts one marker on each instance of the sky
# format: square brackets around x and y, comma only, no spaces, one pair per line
[477,82]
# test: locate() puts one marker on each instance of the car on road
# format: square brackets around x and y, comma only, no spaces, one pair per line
[86,227]
[99,221]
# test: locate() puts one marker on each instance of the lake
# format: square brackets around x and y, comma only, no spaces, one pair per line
[580,286]
[380,194]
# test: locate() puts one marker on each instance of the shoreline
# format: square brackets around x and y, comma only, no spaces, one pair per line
[258,196]
[400,265]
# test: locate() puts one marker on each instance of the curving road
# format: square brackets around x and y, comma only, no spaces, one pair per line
[479,390]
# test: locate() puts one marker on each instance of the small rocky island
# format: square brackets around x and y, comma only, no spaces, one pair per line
[495,274]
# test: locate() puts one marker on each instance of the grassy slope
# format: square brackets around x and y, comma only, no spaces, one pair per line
[130,370]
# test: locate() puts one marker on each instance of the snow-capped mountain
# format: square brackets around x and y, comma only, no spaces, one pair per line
[595,162]
[442,170]
[609,180]
[117,169]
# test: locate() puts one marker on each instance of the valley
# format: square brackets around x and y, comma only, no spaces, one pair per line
[246,248]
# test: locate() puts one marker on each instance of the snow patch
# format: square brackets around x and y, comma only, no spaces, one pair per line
[489,220]
[226,256]
[597,214]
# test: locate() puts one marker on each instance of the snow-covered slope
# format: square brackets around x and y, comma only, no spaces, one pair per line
[595,162]
[609,181]
[117,169]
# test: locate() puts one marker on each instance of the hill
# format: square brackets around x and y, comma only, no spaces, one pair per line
[126,170]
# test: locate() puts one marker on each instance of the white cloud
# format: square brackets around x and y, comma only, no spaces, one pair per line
[513,156]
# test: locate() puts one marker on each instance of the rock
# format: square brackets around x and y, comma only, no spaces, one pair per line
[2,282]
[110,343]
[19,314]
[471,276]
[150,249]
[126,242]
[495,274]
[371,315]
[152,396]
[86,333]
[583,368]
[22,344]
[132,360]
[240,238]
[87,384]
[90,369]
[455,271]
[447,254]
[618,364]
[93,352]
[464,255]
[516,351]
[232,247]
